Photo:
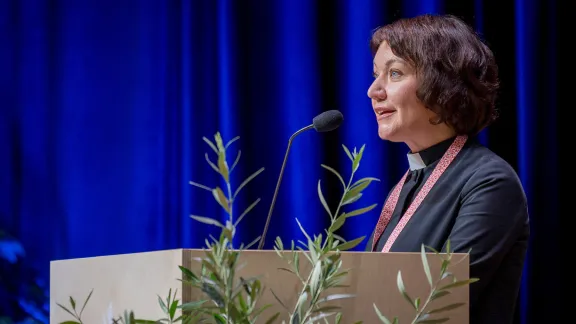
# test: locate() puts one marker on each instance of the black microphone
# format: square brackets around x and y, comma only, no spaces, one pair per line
[325,122]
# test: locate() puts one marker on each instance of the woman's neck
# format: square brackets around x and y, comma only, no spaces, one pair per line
[429,138]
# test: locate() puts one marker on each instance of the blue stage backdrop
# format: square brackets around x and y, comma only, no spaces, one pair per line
[105,103]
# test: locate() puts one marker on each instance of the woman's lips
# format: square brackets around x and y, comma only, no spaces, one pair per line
[382,113]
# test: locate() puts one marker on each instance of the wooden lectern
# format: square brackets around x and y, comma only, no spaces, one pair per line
[134,282]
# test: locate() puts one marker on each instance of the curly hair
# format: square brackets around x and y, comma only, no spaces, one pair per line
[457,72]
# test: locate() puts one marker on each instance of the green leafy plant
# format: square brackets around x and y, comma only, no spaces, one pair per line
[128,318]
[323,254]
[232,299]
[72,311]
[439,287]
[169,307]
[225,201]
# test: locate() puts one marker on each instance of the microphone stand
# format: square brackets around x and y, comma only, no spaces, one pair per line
[261,244]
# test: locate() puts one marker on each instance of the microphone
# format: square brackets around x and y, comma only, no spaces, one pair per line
[325,122]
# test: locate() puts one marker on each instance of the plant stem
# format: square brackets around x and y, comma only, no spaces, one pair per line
[230,207]
[333,219]
[305,284]
[344,195]
[225,279]
[428,300]
[230,201]
[313,300]
[77,317]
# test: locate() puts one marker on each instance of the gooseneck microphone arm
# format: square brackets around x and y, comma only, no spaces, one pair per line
[262,239]
[325,122]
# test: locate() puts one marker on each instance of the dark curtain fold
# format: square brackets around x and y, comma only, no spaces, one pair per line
[105,103]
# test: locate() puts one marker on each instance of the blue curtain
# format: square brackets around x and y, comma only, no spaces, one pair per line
[105,103]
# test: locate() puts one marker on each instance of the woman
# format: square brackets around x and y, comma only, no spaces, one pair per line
[434,89]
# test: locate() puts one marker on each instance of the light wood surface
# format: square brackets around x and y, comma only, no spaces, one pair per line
[134,281]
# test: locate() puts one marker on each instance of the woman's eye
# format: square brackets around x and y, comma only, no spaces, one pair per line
[395,74]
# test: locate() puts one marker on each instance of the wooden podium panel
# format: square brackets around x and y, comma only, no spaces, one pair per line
[133,281]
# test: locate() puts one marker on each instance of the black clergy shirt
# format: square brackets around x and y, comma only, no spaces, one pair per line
[479,204]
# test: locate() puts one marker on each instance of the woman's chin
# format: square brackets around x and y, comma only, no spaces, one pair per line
[386,133]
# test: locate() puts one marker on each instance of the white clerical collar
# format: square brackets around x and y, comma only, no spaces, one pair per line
[415,161]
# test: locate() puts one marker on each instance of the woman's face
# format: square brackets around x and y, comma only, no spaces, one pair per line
[400,115]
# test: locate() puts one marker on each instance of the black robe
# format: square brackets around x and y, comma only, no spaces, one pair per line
[478,203]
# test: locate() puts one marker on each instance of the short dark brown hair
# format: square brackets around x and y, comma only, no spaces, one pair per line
[457,72]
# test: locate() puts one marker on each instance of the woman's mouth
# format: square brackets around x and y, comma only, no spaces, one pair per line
[382,113]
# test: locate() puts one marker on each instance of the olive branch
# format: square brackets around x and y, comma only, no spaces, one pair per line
[438,289]
[232,299]
[324,254]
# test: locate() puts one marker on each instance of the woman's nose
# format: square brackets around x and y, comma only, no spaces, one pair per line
[376,91]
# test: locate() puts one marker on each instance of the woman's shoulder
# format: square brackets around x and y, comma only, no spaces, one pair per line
[485,169]
[480,158]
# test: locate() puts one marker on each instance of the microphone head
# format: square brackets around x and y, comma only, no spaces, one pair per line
[328,121]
